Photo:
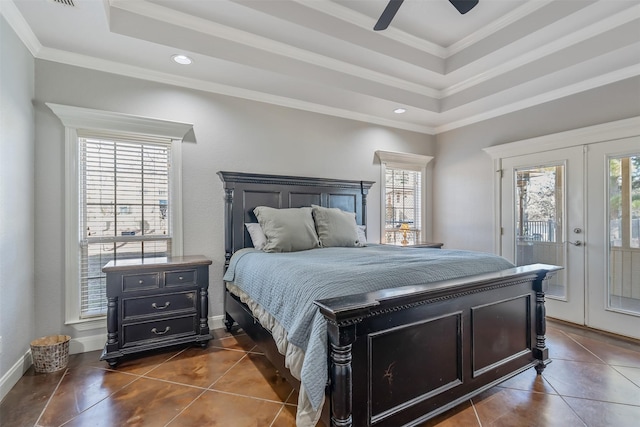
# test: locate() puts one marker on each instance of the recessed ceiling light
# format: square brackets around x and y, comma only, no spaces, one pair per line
[182,59]
[400,110]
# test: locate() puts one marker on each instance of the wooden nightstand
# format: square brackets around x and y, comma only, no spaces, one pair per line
[154,303]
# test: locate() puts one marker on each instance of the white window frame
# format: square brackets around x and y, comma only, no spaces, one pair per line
[74,118]
[408,161]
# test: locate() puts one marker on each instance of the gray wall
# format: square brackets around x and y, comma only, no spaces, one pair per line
[463,173]
[16,198]
[229,134]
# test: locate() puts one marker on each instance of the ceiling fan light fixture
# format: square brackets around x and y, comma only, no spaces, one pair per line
[182,59]
[400,110]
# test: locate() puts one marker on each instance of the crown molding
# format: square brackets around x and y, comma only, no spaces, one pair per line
[165,78]
[508,19]
[16,21]
[442,122]
[588,84]
[356,18]
[204,26]
[113,67]
[582,136]
[565,42]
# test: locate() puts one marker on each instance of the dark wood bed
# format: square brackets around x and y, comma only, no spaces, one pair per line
[482,329]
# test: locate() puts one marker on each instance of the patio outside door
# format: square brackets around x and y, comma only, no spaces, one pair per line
[543,221]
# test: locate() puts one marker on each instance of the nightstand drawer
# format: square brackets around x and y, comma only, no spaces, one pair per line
[135,282]
[158,304]
[178,278]
[159,329]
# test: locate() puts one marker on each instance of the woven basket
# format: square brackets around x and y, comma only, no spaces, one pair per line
[50,353]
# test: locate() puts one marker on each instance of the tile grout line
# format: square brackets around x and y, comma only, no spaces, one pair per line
[580,344]
[227,371]
[101,400]
[203,391]
[277,415]
[562,396]
[631,367]
[186,407]
[475,411]
[46,405]
[109,369]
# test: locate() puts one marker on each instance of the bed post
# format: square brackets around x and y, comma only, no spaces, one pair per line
[541,352]
[341,339]
[364,190]
[228,229]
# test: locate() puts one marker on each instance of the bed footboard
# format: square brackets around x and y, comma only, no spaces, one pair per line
[405,355]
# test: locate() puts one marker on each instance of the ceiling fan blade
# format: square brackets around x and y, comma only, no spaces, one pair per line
[463,6]
[388,14]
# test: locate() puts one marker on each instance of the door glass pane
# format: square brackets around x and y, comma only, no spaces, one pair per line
[539,220]
[624,233]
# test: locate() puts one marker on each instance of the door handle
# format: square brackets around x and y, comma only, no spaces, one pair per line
[576,243]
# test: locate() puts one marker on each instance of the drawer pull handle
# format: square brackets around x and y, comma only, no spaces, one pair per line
[156,306]
[141,281]
[179,277]
[155,331]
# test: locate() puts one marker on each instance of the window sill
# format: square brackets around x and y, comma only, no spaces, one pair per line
[86,325]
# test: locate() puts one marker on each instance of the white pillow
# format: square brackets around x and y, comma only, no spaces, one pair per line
[362,237]
[257,235]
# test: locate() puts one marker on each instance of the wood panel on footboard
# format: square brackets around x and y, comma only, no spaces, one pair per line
[402,356]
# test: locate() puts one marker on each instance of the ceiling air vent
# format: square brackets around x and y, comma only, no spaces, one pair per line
[64,2]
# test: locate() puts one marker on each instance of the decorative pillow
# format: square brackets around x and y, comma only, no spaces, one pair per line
[335,227]
[362,237]
[287,230]
[257,235]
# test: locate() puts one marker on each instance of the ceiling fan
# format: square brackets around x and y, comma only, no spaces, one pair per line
[389,12]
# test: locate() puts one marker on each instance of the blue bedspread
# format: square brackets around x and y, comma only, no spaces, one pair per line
[286,284]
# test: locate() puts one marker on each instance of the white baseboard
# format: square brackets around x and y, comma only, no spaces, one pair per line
[76,345]
[88,343]
[216,322]
[14,374]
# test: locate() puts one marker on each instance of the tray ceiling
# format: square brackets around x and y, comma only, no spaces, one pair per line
[446,69]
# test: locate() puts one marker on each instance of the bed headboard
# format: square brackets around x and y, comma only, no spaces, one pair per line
[246,191]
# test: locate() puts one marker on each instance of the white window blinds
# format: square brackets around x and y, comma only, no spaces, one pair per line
[125,208]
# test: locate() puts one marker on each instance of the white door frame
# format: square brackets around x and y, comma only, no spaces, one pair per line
[571,306]
[578,137]
[599,314]
[582,136]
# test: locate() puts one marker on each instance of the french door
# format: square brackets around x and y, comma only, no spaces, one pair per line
[543,222]
[613,236]
[579,207]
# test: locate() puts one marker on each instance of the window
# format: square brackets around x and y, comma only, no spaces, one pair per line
[624,202]
[403,206]
[403,201]
[122,199]
[124,208]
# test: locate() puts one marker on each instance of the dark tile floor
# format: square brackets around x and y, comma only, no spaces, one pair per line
[594,380]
